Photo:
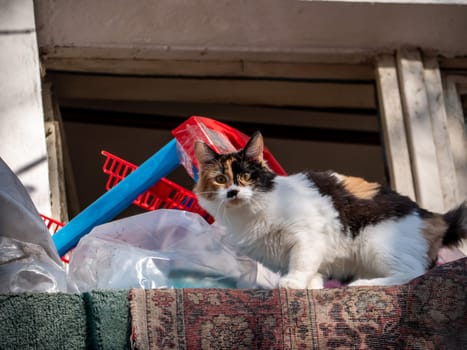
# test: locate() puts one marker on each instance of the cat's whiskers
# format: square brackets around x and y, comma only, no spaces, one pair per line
[225,216]
[206,192]
[255,203]
[220,209]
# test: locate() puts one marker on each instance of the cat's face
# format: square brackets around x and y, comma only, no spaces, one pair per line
[232,180]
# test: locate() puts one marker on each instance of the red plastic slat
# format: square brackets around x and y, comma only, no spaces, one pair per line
[53,226]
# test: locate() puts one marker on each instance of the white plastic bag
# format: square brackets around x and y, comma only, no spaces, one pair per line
[26,267]
[28,259]
[162,249]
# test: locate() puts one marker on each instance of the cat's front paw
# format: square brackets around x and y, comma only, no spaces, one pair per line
[291,283]
[316,282]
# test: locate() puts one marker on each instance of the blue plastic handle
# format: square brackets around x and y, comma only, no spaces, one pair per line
[118,198]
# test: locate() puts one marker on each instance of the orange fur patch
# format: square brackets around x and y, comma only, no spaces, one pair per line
[359,187]
[434,230]
[206,186]
[228,169]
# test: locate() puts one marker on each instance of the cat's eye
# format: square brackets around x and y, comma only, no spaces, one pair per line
[220,179]
[245,177]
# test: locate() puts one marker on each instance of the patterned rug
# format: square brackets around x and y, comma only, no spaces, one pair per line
[430,312]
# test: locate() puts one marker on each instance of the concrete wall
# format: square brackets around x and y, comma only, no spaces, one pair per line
[262,29]
[22,135]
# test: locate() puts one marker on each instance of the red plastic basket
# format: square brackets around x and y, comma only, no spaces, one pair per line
[165,194]
[53,226]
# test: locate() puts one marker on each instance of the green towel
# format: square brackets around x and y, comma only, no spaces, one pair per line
[109,316]
[96,320]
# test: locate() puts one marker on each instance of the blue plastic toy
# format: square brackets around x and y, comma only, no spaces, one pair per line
[118,198]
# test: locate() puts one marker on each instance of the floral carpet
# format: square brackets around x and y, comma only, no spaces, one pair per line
[430,312]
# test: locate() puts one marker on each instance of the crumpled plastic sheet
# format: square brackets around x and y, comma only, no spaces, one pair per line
[163,249]
[28,259]
[26,267]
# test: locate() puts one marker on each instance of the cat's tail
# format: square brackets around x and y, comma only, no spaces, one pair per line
[456,220]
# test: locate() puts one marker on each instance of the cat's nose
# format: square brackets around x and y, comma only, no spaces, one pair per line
[232,193]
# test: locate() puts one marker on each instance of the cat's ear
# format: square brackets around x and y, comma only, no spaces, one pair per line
[254,148]
[203,153]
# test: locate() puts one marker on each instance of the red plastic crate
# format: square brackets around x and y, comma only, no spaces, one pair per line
[53,226]
[165,194]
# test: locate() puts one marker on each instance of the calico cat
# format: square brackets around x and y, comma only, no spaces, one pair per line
[312,226]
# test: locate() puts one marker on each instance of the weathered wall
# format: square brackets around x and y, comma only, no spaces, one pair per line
[269,29]
[22,136]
